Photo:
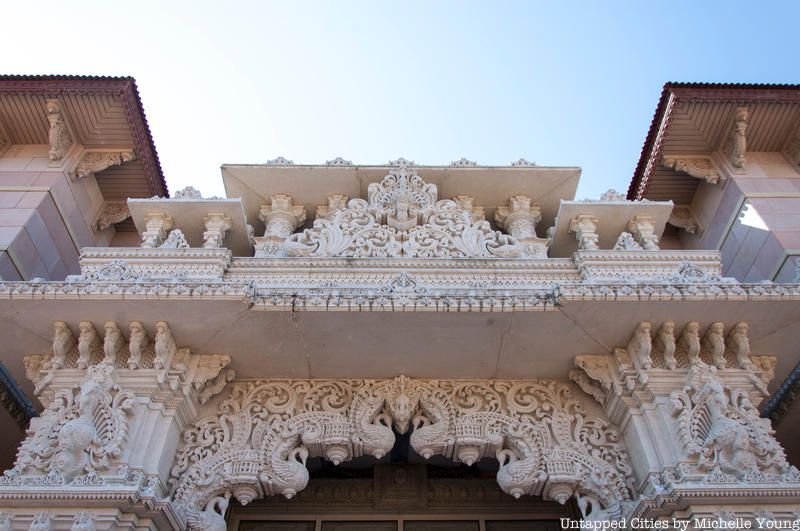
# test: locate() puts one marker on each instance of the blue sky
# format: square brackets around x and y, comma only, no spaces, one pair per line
[560,83]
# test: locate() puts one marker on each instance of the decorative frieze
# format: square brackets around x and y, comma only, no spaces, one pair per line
[544,441]
[697,167]
[281,217]
[59,136]
[96,161]
[585,228]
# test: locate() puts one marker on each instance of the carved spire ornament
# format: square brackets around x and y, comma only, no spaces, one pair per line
[402,216]
[96,161]
[697,167]
[59,136]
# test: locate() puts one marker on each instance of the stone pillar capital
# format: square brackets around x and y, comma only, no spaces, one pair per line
[585,228]
[157,226]
[216,227]
[281,218]
[643,230]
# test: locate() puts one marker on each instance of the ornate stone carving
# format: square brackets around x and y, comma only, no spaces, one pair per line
[722,430]
[281,217]
[401,218]
[736,146]
[96,161]
[189,192]
[665,344]
[689,343]
[522,163]
[613,196]
[175,240]
[401,162]
[59,136]
[640,346]
[463,163]
[217,226]
[114,344]
[137,345]
[279,161]
[697,167]
[90,348]
[626,242]
[738,345]
[165,346]
[642,228]
[79,435]
[519,219]
[585,228]
[42,521]
[467,202]
[112,212]
[713,344]
[157,225]
[335,202]
[683,218]
[258,443]
[84,521]
[212,518]
[64,344]
[338,161]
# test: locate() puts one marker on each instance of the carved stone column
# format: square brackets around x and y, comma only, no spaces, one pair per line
[95,457]
[519,219]
[281,218]
[643,230]
[217,226]
[585,228]
[692,429]
[157,226]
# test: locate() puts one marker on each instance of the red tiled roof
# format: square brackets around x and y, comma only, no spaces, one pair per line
[744,91]
[125,87]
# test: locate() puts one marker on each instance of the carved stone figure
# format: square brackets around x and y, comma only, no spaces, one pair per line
[89,345]
[63,344]
[737,141]
[690,342]
[137,344]
[640,345]
[738,345]
[84,521]
[626,242]
[59,136]
[42,521]
[212,518]
[665,343]
[113,342]
[165,347]
[714,344]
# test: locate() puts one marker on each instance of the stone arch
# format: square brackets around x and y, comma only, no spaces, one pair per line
[258,443]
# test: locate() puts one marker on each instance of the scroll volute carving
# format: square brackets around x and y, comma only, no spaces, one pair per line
[537,431]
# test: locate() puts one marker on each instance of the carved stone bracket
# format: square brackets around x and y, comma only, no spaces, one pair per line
[643,230]
[258,443]
[59,135]
[96,161]
[683,218]
[112,212]
[736,145]
[585,228]
[697,167]
[281,217]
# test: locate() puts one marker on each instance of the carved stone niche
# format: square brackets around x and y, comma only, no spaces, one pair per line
[663,383]
[258,443]
[110,405]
